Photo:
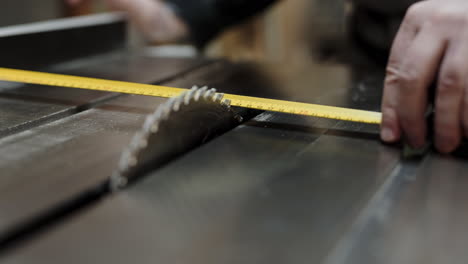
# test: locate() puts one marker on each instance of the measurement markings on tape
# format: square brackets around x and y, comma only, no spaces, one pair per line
[289,107]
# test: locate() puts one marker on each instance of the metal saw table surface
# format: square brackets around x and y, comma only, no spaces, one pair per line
[276,189]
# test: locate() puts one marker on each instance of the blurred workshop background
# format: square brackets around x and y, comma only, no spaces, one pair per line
[292,31]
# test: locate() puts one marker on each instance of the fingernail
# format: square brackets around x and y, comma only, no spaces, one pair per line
[387,134]
[446,145]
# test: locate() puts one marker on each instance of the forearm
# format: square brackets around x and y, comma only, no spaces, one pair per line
[164,26]
[154,19]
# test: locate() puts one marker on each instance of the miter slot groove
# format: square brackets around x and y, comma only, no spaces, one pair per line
[375,211]
[55,116]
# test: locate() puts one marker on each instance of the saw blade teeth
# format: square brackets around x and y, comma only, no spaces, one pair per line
[165,114]
[143,143]
[188,96]
[199,93]
[122,182]
[154,128]
[196,95]
[134,156]
[134,143]
[209,94]
[147,124]
[178,103]
[226,102]
[123,160]
[218,97]
[132,161]
[118,182]
[167,108]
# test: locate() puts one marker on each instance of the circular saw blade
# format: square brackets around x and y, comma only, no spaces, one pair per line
[179,125]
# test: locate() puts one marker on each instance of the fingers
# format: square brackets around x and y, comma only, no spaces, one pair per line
[465,110]
[435,44]
[391,131]
[449,98]
[406,34]
[406,91]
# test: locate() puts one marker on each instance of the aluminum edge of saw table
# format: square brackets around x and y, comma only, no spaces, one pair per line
[418,217]
[38,45]
[43,45]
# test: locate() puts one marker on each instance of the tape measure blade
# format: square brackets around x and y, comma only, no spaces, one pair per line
[68,81]
[305,109]
[297,108]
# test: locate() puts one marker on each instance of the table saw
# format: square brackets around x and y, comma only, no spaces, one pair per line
[272,188]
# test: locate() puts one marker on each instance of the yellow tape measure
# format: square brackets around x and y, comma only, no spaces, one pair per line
[289,107]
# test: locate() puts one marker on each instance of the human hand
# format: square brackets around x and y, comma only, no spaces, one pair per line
[122,5]
[431,45]
[153,18]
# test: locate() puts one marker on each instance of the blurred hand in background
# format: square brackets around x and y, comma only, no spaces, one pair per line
[153,18]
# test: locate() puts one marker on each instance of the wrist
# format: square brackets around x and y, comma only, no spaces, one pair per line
[157,22]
